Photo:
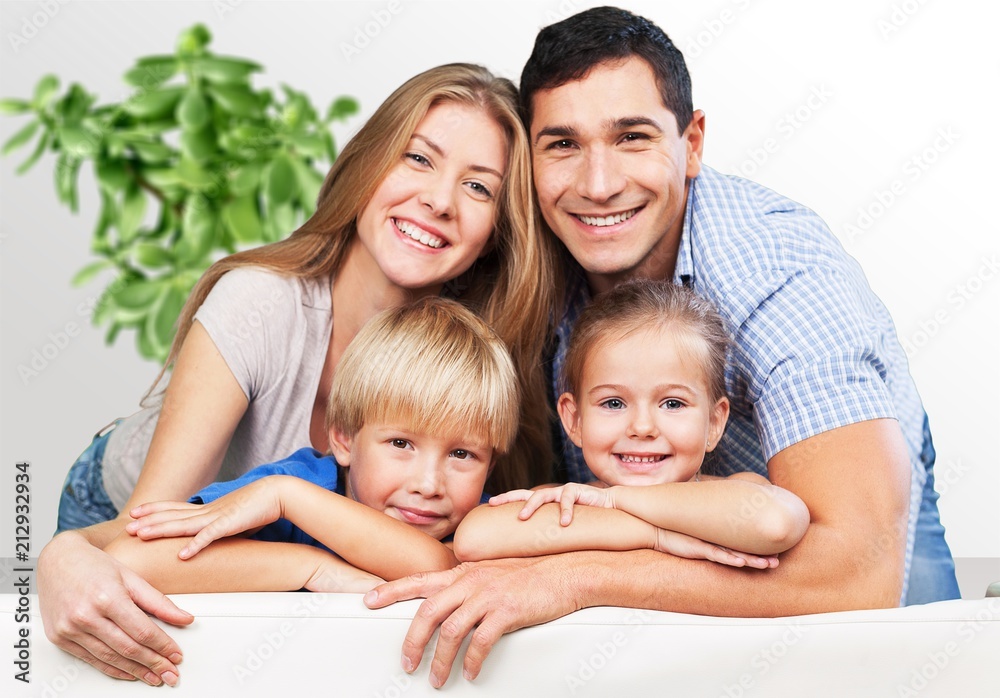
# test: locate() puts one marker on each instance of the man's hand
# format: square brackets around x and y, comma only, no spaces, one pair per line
[95,608]
[498,596]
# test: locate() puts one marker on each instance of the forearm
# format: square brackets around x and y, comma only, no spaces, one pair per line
[495,532]
[826,571]
[228,565]
[368,539]
[737,514]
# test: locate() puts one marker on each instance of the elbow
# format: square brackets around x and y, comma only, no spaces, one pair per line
[781,527]
[471,539]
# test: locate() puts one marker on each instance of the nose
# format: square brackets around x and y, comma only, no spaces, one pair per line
[439,196]
[601,176]
[427,478]
[641,424]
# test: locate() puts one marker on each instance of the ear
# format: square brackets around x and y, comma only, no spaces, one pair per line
[717,423]
[570,417]
[694,137]
[340,446]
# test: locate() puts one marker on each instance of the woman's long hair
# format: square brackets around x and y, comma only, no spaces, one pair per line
[510,287]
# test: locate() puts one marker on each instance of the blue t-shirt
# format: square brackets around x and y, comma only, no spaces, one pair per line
[307,464]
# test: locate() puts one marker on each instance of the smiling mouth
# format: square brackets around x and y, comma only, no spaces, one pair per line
[641,460]
[418,234]
[604,221]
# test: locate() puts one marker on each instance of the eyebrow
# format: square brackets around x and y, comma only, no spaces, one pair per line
[437,149]
[665,387]
[622,123]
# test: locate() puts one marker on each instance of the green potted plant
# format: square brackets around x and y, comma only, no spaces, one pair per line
[196,163]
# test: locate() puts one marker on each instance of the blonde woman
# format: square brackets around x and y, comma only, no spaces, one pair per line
[435,189]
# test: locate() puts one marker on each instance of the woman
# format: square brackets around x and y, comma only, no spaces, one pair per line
[435,188]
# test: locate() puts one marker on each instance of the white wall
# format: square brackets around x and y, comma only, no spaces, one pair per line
[886,79]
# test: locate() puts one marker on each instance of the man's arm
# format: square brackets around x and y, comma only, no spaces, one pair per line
[854,480]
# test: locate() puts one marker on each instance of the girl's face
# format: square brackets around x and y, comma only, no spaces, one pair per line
[643,414]
[433,214]
[430,482]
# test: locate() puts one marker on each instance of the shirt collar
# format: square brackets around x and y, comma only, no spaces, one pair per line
[684,268]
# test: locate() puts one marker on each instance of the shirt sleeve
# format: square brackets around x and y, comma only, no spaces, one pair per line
[249,314]
[812,358]
[306,464]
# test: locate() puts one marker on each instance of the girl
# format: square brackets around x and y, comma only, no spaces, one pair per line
[645,401]
[434,189]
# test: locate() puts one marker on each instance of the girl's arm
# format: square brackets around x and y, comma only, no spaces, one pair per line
[239,564]
[366,538]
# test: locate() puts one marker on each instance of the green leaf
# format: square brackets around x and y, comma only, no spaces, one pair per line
[20,138]
[342,108]
[43,143]
[310,144]
[78,141]
[45,89]
[161,322]
[146,343]
[161,177]
[238,100]
[14,106]
[310,181]
[133,209]
[152,152]
[247,179]
[279,182]
[284,222]
[198,230]
[242,219]
[111,175]
[153,104]
[193,111]
[193,41]
[89,272]
[222,70]
[151,256]
[193,175]
[107,217]
[67,169]
[199,144]
[112,333]
[74,104]
[138,297]
[152,71]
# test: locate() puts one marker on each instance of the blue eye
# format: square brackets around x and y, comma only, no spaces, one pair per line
[673,404]
[418,158]
[613,404]
[480,188]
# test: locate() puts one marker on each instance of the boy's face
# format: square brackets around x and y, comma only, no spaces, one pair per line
[610,170]
[429,482]
[643,414]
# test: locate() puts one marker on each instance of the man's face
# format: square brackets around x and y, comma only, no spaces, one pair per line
[610,170]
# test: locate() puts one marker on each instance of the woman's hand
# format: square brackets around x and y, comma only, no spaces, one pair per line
[683,545]
[95,608]
[567,495]
[247,508]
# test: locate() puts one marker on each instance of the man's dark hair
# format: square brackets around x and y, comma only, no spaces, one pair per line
[567,51]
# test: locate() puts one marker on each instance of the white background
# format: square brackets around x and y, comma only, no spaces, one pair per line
[894,76]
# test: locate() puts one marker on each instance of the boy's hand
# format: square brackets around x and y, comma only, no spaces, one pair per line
[566,495]
[250,507]
[682,545]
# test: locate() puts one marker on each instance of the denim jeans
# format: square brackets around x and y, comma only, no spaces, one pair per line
[932,570]
[84,500]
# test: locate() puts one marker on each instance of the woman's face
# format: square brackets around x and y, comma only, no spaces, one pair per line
[433,214]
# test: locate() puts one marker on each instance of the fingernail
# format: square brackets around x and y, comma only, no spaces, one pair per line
[371,597]
[169,678]
[407,664]
[152,679]
[466,674]
[436,682]
[176,658]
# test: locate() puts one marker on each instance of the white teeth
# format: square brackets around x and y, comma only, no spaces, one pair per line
[422,236]
[639,459]
[603,221]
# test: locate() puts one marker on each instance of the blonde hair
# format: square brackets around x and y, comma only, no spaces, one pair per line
[511,286]
[642,304]
[432,365]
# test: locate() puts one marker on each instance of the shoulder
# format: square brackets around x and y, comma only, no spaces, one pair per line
[264,286]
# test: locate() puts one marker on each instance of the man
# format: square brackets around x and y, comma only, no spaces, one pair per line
[822,401]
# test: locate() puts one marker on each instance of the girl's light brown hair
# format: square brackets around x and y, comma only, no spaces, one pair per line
[432,366]
[641,304]
[510,287]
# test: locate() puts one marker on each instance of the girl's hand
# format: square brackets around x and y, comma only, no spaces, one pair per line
[248,508]
[335,575]
[692,548]
[566,495]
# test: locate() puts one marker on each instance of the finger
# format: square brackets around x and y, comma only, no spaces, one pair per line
[453,631]
[155,507]
[204,537]
[512,496]
[566,510]
[79,652]
[483,639]
[169,524]
[419,585]
[106,642]
[536,500]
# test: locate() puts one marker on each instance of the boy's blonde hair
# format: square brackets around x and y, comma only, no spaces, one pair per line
[642,304]
[433,365]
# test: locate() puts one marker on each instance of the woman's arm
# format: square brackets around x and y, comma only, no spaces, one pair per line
[91,606]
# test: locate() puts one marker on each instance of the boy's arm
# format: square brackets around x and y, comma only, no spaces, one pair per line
[743,512]
[236,565]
